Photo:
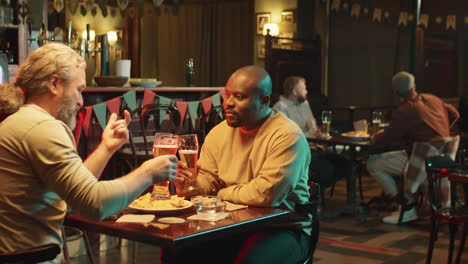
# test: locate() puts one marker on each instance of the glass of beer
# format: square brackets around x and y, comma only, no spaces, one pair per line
[188,153]
[376,121]
[326,121]
[164,144]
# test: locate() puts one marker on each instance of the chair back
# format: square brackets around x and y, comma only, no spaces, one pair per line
[437,169]
[415,170]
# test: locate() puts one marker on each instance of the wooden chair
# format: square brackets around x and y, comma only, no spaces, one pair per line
[446,207]
[31,255]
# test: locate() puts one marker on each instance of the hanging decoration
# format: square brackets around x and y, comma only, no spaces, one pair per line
[365,11]
[122,4]
[410,18]
[377,16]
[88,5]
[355,10]
[336,5]
[386,15]
[465,20]
[403,19]
[424,20]
[438,20]
[345,6]
[451,22]
[58,5]
[73,6]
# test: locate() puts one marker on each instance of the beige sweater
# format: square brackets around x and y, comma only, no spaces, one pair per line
[267,167]
[40,172]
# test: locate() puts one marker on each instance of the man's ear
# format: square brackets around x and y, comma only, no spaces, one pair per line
[52,84]
[265,100]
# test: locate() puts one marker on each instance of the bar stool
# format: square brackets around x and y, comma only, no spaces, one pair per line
[70,234]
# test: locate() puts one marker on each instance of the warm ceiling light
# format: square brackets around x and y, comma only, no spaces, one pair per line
[274,31]
[112,36]
[92,34]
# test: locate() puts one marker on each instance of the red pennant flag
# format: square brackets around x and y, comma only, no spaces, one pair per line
[223,94]
[87,119]
[148,97]
[206,103]
[77,131]
[182,106]
[114,105]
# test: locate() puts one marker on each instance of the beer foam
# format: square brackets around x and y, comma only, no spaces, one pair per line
[164,146]
[188,151]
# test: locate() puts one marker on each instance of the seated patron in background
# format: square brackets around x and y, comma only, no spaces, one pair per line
[257,157]
[11,98]
[40,170]
[419,118]
[326,168]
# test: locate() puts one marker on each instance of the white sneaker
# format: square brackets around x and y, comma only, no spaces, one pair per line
[408,216]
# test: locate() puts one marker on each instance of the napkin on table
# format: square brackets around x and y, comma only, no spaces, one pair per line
[233,207]
[217,217]
[133,218]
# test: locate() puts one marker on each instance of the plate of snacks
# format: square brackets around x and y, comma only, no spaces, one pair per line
[145,203]
[357,135]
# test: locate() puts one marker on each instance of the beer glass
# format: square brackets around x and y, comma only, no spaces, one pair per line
[326,121]
[376,121]
[188,153]
[164,144]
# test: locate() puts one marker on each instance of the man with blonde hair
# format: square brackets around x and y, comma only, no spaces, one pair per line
[40,170]
[420,117]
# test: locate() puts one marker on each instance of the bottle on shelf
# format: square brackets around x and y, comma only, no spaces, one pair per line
[12,57]
[189,73]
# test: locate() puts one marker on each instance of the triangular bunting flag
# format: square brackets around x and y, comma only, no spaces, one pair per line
[335,6]
[163,101]
[130,99]
[424,20]
[377,16]
[101,111]
[451,22]
[206,104]
[355,10]
[78,126]
[192,108]
[148,97]
[182,106]
[114,105]
[87,119]
[223,94]
[216,100]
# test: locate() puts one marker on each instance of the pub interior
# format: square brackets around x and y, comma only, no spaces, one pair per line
[177,55]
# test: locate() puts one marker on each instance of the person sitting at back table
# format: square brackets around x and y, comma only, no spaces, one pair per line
[11,98]
[326,167]
[257,157]
[420,117]
[40,170]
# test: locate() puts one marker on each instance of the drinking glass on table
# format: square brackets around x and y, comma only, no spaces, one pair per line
[326,122]
[188,153]
[164,144]
[376,121]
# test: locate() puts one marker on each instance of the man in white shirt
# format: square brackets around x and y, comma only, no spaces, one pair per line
[326,167]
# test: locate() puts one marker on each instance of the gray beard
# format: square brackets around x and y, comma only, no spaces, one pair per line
[66,114]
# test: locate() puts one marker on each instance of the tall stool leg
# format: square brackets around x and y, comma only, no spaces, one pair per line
[462,243]
[66,256]
[453,230]
[432,238]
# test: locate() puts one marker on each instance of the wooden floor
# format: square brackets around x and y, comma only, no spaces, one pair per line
[347,239]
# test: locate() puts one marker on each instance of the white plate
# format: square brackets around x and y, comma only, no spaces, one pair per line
[356,138]
[153,210]
[146,84]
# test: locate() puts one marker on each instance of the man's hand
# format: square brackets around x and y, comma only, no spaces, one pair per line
[183,174]
[115,135]
[162,168]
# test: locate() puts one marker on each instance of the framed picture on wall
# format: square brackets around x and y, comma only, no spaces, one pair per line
[260,49]
[262,19]
[288,16]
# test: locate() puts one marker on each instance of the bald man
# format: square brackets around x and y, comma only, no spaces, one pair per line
[257,157]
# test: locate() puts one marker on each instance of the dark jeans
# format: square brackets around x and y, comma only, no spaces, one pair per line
[328,168]
[280,246]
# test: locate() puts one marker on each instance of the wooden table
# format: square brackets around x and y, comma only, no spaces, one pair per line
[189,233]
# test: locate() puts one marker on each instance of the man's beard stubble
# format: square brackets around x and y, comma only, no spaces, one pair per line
[67,112]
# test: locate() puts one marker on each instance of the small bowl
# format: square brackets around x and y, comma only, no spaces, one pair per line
[116,81]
